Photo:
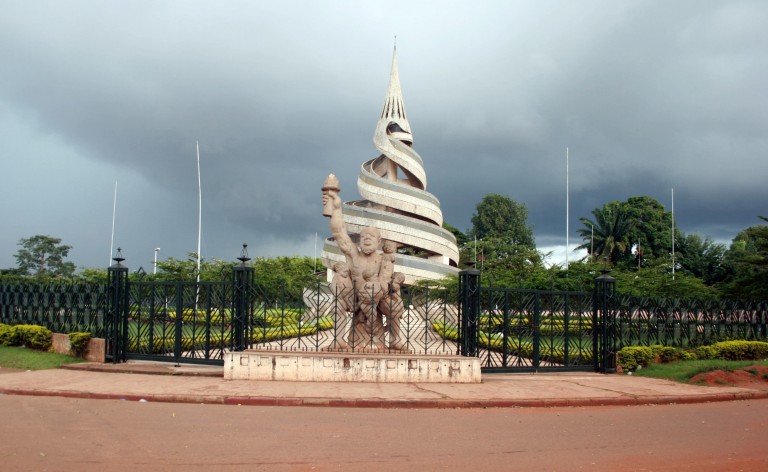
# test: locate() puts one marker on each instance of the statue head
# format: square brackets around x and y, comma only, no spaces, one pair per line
[389,247]
[370,238]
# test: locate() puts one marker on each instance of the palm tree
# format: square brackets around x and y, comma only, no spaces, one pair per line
[607,235]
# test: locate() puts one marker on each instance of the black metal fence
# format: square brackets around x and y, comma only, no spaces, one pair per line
[531,330]
[688,323]
[508,329]
[61,307]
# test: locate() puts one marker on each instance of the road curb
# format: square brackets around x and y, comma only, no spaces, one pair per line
[397,404]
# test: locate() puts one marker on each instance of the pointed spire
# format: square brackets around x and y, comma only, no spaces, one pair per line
[394,110]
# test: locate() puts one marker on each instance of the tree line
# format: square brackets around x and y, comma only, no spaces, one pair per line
[633,239]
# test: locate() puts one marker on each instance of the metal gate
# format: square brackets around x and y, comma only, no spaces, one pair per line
[533,330]
[179,321]
[518,330]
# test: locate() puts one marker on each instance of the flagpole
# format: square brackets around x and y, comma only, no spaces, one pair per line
[567,206]
[112,239]
[673,234]
[199,210]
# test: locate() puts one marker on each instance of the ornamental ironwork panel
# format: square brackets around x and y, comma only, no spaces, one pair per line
[60,307]
[688,323]
[179,321]
[532,330]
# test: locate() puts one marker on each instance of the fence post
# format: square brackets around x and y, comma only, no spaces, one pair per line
[116,321]
[469,311]
[604,322]
[243,276]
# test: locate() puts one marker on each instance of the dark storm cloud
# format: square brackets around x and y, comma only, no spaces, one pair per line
[646,95]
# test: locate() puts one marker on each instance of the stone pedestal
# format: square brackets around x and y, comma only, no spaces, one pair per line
[349,367]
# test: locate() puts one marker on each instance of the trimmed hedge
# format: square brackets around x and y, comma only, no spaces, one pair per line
[31,336]
[78,342]
[734,351]
[632,357]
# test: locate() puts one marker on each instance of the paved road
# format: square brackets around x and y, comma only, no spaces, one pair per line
[62,434]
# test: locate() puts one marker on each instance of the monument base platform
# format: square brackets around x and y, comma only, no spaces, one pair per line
[349,367]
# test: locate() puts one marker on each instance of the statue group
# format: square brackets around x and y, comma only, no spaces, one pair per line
[366,287]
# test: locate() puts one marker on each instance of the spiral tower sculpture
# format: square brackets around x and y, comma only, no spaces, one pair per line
[395,199]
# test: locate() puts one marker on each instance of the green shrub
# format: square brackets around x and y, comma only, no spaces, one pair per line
[706,352]
[741,350]
[631,357]
[78,342]
[34,337]
[667,354]
[9,336]
[687,356]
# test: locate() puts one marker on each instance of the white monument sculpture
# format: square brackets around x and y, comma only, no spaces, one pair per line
[391,238]
[396,201]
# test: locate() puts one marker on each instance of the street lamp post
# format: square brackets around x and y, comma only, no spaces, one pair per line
[154,270]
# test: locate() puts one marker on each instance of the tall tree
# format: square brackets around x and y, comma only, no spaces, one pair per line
[606,237]
[701,258]
[497,216]
[642,231]
[749,254]
[651,229]
[44,255]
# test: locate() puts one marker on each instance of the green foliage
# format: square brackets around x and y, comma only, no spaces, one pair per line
[608,234]
[749,255]
[93,275]
[684,370]
[740,350]
[40,255]
[30,359]
[9,336]
[502,218]
[632,357]
[78,342]
[701,258]
[31,336]
[650,229]
[656,280]
[175,270]
[640,224]
[504,264]
[461,238]
[284,278]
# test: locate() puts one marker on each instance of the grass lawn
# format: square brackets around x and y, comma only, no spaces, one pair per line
[682,371]
[30,359]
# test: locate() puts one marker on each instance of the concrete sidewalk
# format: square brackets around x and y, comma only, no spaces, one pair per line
[160,382]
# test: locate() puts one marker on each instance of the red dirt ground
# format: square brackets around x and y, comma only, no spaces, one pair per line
[738,378]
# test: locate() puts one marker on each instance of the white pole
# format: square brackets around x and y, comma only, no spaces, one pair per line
[315,259]
[592,243]
[112,239]
[567,207]
[154,270]
[673,234]
[199,210]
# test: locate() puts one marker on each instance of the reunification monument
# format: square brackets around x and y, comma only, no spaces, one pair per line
[391,238]
[396,202]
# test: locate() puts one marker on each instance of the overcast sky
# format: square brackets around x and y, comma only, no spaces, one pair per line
[647,95]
